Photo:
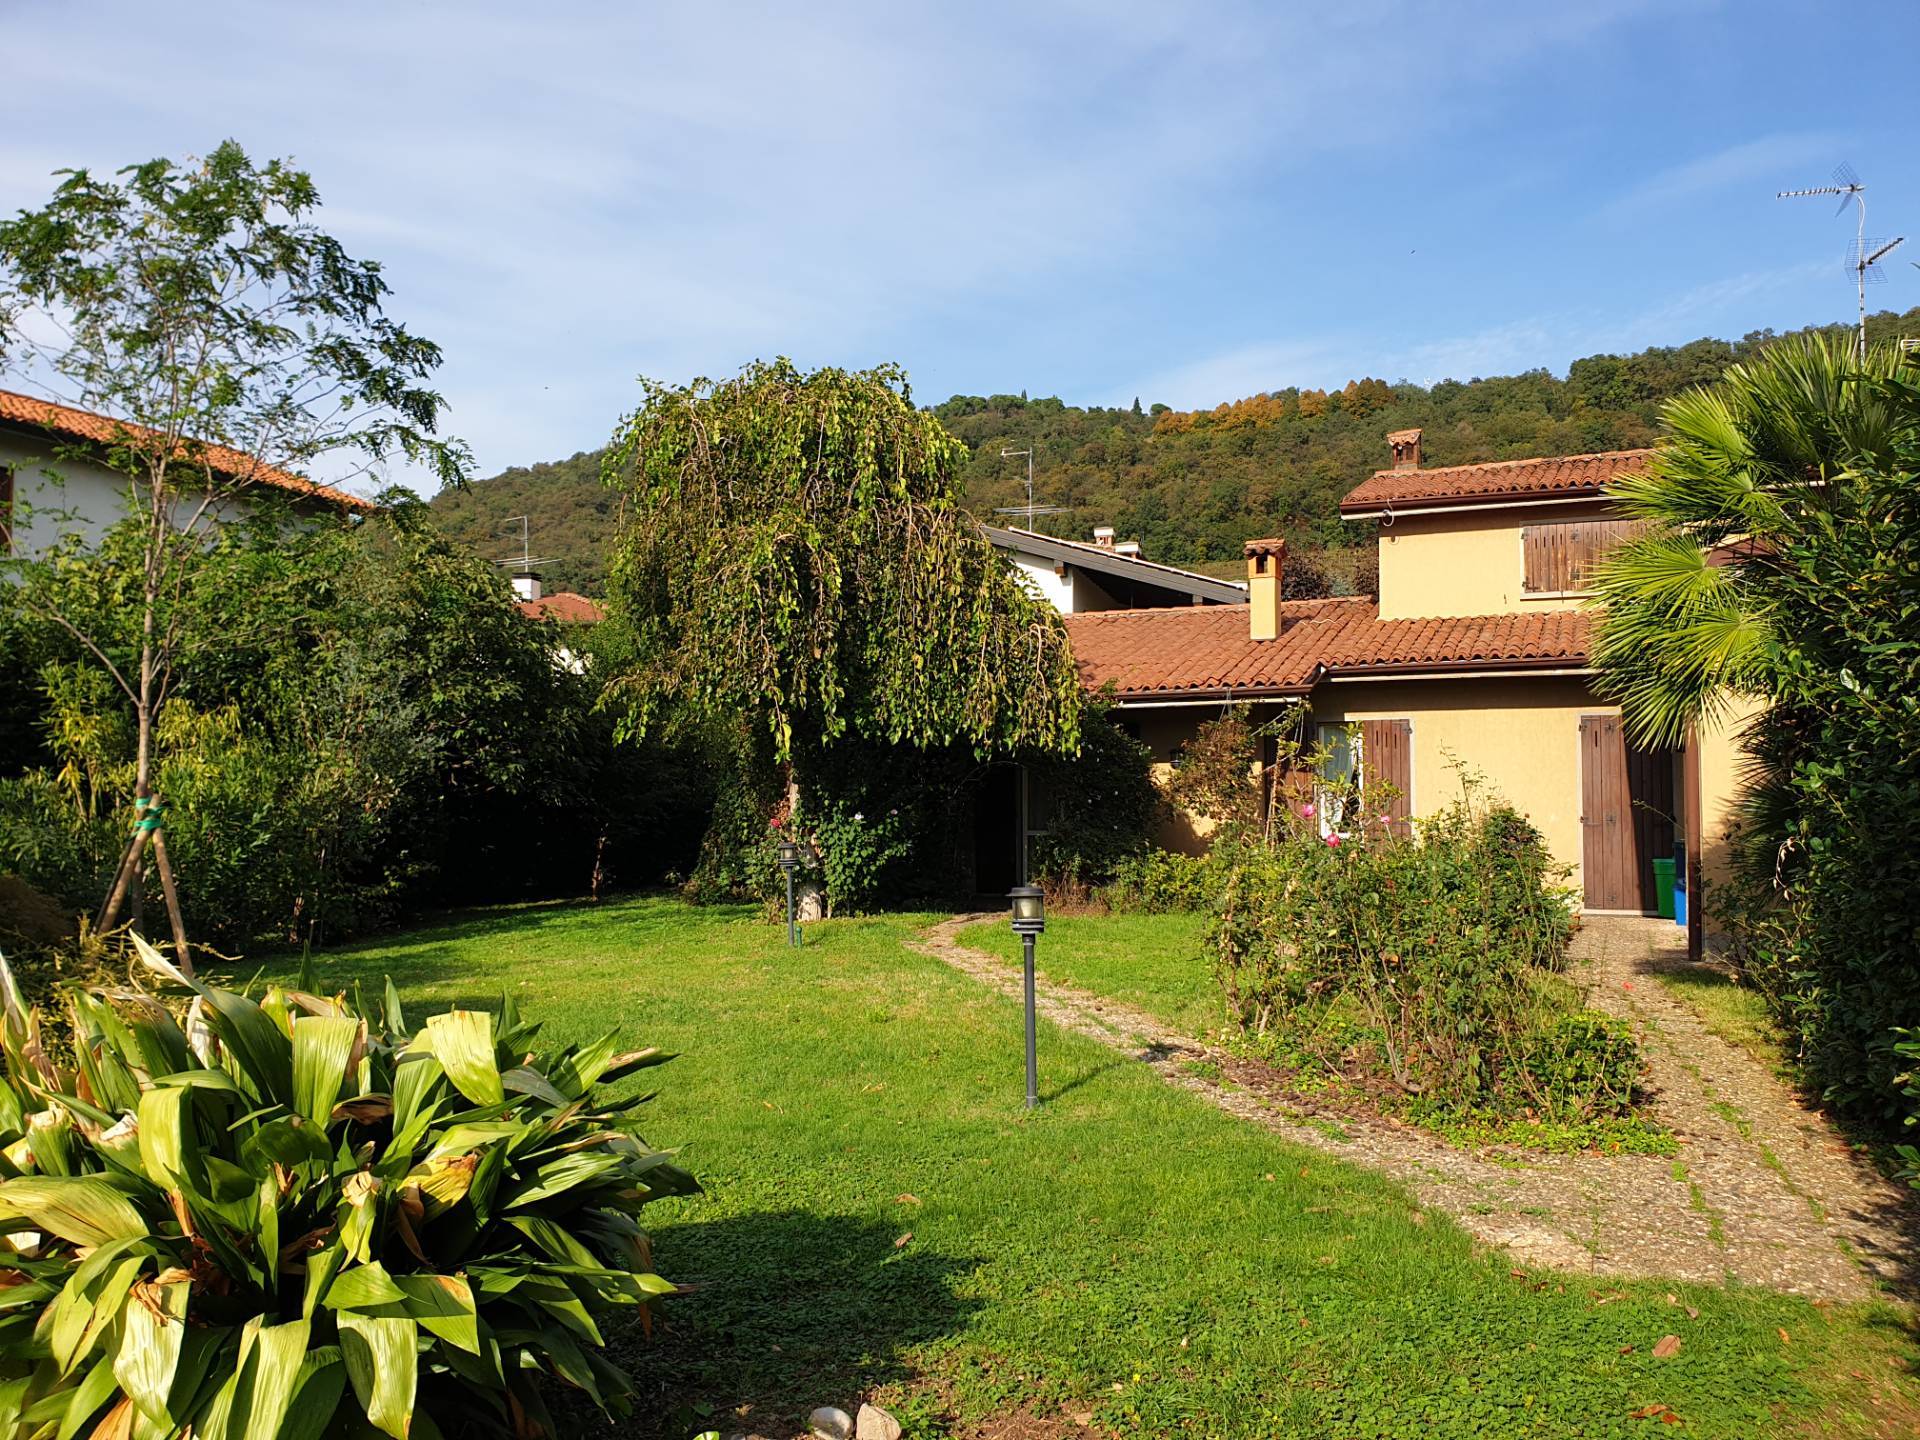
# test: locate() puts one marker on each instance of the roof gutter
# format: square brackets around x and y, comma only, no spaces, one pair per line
[1460,504]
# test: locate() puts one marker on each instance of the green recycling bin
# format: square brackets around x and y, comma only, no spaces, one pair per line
[1663,886]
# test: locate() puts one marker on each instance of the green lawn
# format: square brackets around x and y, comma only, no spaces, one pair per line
[882,1213]
[1151,962]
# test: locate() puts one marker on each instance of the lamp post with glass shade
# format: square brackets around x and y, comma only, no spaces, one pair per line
[1029,919]
[790,862]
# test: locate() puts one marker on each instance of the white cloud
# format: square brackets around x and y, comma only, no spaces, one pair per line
[565,198]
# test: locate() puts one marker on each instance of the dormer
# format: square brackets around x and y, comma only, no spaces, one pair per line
[1508,537]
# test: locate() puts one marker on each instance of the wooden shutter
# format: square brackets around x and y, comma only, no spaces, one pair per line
[1386,757]
[1559,556]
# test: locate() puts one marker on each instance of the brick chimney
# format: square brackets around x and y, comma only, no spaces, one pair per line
[1103,536]
[1265,561]
[1406,449]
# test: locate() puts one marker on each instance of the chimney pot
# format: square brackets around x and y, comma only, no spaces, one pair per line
[526,587]
[1406,449]
[1266,559]
[1129,548]
[1103,536]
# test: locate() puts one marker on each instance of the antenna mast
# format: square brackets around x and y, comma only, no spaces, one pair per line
[1029,509]
[1864,256]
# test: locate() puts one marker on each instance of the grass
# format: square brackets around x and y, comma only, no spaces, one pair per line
[1151,962]
[883,1217]
[1734,1012]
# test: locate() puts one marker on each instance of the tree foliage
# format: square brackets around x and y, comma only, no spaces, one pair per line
[1193,486]
[360,722]
[794,550]
[227,337]
[1783,565]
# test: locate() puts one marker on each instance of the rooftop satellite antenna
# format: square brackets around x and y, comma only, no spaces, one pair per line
[1029,509]
[525,562]
[1865,254]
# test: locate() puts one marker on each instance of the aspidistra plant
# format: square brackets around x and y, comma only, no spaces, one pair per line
[285,1217]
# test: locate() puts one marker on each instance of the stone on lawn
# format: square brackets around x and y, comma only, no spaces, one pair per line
[876,1424]
[827,1423]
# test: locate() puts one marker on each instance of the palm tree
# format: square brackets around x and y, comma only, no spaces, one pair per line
[1780,562]
[1703,606]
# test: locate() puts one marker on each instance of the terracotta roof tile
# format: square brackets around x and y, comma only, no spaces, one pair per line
[1554,476]
[564,606]
[1204,651]
[103,430]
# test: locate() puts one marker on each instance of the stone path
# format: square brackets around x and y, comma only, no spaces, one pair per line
[1762,1190]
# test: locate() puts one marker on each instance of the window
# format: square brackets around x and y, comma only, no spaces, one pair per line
[1338,792]
[1559,556]
[1369,753]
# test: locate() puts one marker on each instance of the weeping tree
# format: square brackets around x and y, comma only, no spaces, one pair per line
[1780,564]
[794,555]
[228,342]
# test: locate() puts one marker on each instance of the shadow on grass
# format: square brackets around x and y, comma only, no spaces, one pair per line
[789,1311]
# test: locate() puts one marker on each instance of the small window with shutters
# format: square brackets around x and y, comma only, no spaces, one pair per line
[1370,758]
[1560,557]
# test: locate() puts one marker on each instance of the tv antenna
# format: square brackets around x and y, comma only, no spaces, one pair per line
[1029,509]
[525,562]
[1864,255]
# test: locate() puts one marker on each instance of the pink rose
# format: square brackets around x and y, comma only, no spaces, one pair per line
[1334,840]
[1306,812]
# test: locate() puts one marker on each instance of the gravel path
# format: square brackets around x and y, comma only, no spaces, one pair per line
[1762,1190]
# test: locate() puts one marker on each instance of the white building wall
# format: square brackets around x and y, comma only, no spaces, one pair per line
[54,496]
[1039,575]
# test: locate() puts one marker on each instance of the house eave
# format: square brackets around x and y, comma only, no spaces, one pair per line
[1461,504]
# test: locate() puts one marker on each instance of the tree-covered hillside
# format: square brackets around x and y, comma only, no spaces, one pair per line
[1191,486]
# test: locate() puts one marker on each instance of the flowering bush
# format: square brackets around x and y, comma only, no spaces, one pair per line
[1421,968]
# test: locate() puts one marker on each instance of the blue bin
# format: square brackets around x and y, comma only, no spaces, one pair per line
[1680,884]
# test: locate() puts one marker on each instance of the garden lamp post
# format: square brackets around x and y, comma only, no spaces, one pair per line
[1029,919]
[790,862]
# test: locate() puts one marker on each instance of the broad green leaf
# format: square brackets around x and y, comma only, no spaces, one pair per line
[522,1081]
[443,1304]
[414,1078]
[267,1378]
[364,1287]
[150,1345]
[462,1041]
[87,1397]
[323,1266]
[557,1177]
[257,1053]
[323,1045]
[91,1302]
[316,1394]
[382,1363]
[79,1209]
[555,1240]
[396,1017]
[169,1150]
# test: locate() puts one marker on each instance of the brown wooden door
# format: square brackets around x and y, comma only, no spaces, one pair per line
[1386,755]
[1626,799]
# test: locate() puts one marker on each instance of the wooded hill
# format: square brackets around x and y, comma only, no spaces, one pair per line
[1192,486]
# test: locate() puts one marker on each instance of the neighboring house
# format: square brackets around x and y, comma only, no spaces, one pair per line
[564,608]
[49,487]
[1474,661]
[1074,576]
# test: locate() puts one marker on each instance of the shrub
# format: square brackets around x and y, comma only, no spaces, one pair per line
[1100,807]
[1421,968]
[289,1217]
[1162,881]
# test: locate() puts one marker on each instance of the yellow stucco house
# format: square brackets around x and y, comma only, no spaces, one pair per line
[1474,659]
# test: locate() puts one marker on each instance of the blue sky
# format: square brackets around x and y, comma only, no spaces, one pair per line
[1187,203]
